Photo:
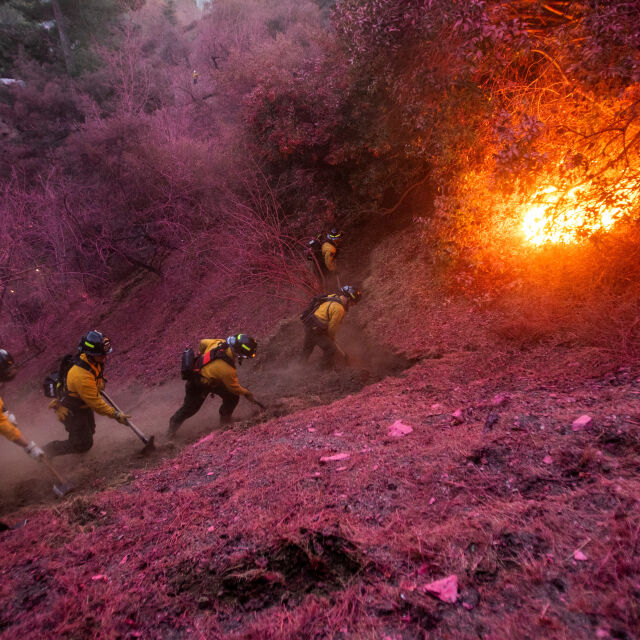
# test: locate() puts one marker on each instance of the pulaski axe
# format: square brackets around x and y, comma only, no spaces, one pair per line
[59,489]
[147,440]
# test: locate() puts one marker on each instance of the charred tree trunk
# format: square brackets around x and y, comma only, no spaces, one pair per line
[64,38]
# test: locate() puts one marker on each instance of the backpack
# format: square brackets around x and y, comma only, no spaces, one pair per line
[191,364]
[314,249]
[55,384]
[188,364]
[308,315]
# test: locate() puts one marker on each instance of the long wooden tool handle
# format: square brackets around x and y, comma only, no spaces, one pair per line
[130,424]
[110,401]
[51,468]
[254,401]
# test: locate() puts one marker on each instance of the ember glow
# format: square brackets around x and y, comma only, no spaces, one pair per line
[553,217]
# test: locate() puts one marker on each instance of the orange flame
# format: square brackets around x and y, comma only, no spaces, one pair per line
[555,217]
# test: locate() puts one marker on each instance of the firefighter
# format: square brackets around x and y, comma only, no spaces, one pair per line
[81,397]
[330,249]
[194,75]
[216,374]
[323,252]
[322,320]
[8,428]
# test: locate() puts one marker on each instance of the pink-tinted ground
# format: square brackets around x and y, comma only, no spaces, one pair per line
[246,533]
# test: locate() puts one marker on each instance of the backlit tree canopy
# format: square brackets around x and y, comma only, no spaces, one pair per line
[521,116]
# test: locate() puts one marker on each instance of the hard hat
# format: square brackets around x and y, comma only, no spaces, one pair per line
[95,344]
[351,293]
[7,366]
[242,345]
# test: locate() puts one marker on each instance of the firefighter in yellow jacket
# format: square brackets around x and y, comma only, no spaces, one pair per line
[329,250]
[328,266]
[216,374]
[81,397]
[8,428]
[322,320]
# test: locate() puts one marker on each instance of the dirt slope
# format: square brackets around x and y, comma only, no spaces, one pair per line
[247,533]
[278,378]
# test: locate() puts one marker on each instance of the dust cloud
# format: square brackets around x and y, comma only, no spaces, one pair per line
[277,377]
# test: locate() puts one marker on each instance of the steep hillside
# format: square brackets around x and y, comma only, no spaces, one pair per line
[249,534]
[320,518]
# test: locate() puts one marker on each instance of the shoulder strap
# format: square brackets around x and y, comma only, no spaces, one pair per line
[331,299]
[322,299]
[78,362]
[217,353]
[72,402]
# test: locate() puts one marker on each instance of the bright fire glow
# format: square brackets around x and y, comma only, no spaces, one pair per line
[553,217]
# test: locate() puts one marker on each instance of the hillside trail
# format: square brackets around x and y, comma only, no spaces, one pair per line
[277,377]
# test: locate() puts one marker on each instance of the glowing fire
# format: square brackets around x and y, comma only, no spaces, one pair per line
[554,217]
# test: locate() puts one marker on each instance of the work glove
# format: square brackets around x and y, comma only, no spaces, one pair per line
[11,418]
[34,450]
[122,417]
[62,413]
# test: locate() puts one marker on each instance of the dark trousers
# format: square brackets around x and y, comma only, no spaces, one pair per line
[195,393]
[318,338]
[80,424]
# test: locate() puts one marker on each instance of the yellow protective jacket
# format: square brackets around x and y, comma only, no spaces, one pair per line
[7,428]
[87,386]
[329,255]
[330,313]
[218,371]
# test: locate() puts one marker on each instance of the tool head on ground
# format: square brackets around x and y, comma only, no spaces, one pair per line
[62,487]
[8,368]
[149,441]
[334,236]
[95,344]
[242,345]
[149,446]
[352,294]
[62,490]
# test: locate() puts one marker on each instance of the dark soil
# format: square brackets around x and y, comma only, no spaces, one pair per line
[283,574]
